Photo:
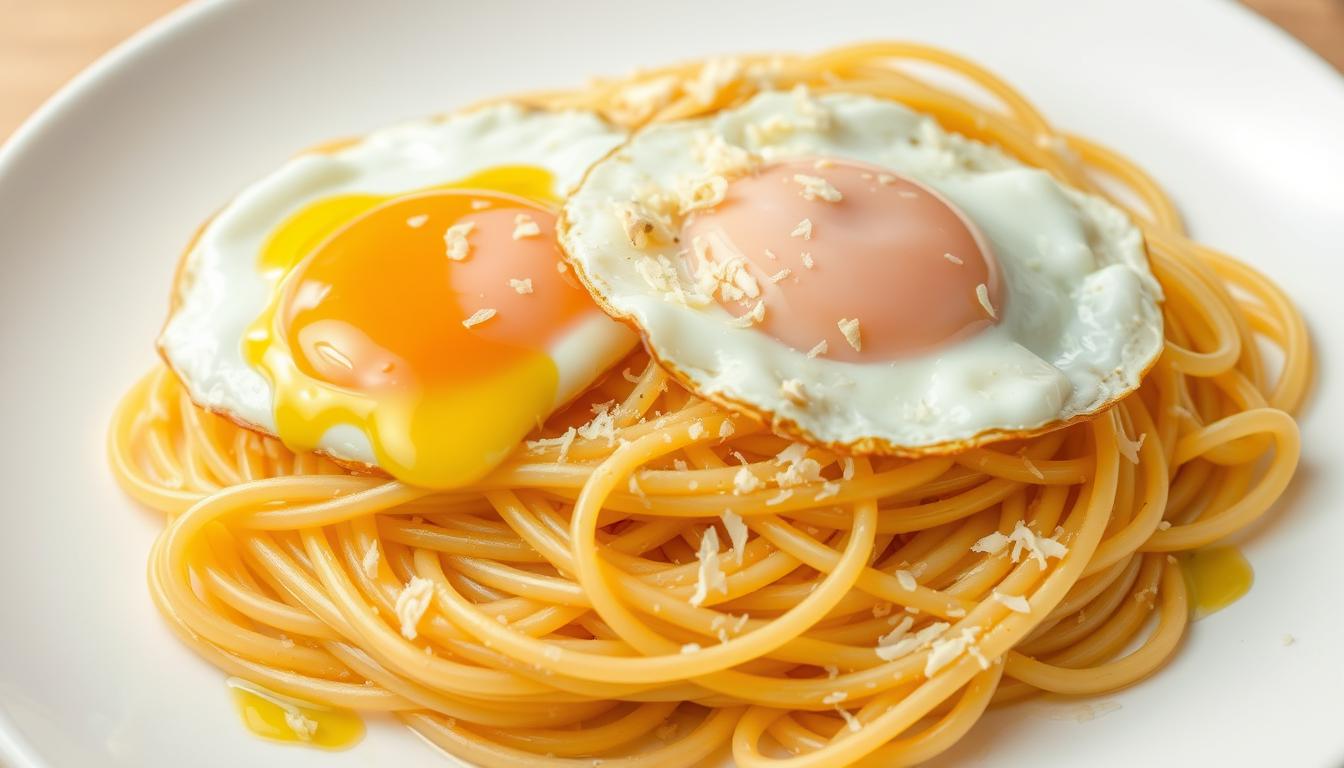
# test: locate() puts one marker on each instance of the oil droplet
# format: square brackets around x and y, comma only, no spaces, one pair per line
[280,718]
[1216,577]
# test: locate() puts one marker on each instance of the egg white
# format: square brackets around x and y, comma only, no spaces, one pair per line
[219,290]
[1080,326]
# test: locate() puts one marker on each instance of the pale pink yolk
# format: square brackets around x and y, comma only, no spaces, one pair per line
[890,253]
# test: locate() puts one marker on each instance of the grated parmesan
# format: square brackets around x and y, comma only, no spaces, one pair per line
[850,328]
[1015,603]
[525,226]
[982,295]
[412,603]
[709,575]
[817,188]
[370,561]
[478,317]
[455,240]
[522,287]
[737,532]
[745,482]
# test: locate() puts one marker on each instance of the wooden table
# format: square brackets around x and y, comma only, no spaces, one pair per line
[43,43]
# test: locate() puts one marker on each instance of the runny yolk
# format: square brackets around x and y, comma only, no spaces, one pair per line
[374,329]
[890,253]
[1215,577]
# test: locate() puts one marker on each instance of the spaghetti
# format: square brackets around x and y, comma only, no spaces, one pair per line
[545,615]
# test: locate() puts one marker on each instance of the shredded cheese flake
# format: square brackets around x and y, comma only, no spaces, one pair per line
[817,188]
[803,230]
[945,651]
[412,603]
[709,576]
[370,560]
[455,240]
[525,226]
[982,296]
[696,430]
[849,327]
[1025,543]
[745,482]
[906,580]
[416,222]
[478,317]
[737,532]
[750,318]
[953,259]
[522,287]
[726,429]
[1015,603]
[819,349]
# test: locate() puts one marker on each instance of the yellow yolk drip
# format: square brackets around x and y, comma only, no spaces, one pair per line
[1216,577]
[280,718]
[375,324]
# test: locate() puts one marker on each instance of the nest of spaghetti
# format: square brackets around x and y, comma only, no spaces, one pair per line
[653,579]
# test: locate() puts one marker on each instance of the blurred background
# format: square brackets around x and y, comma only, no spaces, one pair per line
[43,43]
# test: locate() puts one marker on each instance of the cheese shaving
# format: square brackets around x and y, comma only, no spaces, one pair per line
[478,317]
[412,603]
[1015,603]
[748,319]
[907,580]
[982,296]
[817,188]
[370,560]
[709,576]
[525,226]
[745,482]
[819,349]
[850,328]
[455,240]
[737,532]
[522,287]
[416,222]
[803,230]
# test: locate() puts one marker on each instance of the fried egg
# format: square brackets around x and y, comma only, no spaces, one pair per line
[847,270]
[399,301]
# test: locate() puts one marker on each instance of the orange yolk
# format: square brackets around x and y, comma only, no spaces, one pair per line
[890,252]
[373,329]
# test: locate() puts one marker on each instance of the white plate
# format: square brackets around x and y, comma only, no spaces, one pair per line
[100,190]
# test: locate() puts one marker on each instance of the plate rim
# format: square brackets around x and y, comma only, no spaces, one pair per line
[15,747]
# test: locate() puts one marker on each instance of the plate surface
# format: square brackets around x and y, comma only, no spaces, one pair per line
[100,191]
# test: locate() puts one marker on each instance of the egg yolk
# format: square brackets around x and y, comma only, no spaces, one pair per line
[436,352]
[836,241]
